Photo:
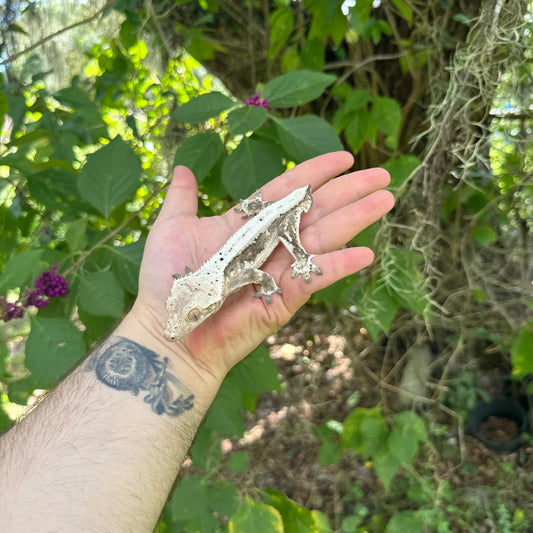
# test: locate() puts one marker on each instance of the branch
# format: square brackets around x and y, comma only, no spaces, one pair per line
[94,16]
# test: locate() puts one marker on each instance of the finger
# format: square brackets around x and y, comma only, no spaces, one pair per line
[182,194]
[312,172]
[336,229]
[344,190]
[334,265]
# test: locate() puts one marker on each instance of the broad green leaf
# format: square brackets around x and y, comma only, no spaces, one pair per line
[411,521]
[205,451]
[404,8]
[255,517]
[127,263]
[296,88]
[522,353]
[225,413]
[101,294]
[312,55]
[281,26]
[386,466]
[408,431]
[356,132]
[296,519]
[373,433]
[330,451]
[110,177]
[57,189]
[387,116]
[246,119]
[21,269]
[355,101]
[190,498]
[400,168]
[222,497]
[307,136]
[8,234]
[54,345]
[203,107]
[249,167]
[199,153]
[5,420]
[238,462]
[257,372]
[96,327]
[76,235]
[377,308]
[484,235]
[352,435]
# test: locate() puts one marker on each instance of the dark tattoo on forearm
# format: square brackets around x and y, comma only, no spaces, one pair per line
[126,365]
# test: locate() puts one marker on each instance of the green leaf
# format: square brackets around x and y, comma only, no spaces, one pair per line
[57,189]
[358,432]
[387,116]
[484,235]
[238,462]
[199,153]
[255,517]
[377,308]
[408,431]
[249,167]
[257,372]
[110,177]
[281,26]
[412,521]
[330,450]
[313,54]
[400,168]
[76,234]
[307,136]
[246,119]
[54,345]
[357,131]
[222,497]
[225,413]
[101,294]
[8,234]
[405,9]
[127,264]
[190,499]
[296,519]
[20,269]
[386,466]
[203,107]
[296,88]
[522,353]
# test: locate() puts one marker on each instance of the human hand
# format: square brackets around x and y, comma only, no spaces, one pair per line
[341,208]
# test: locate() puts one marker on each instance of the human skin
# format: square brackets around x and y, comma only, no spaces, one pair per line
[98,455]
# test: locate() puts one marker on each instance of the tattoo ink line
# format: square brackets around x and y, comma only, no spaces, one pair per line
[128,366]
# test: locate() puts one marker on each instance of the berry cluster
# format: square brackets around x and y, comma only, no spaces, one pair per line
[48,285]
[257,101]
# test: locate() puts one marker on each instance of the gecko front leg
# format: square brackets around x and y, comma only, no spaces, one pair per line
[252,206]
[266,282]
[291,240]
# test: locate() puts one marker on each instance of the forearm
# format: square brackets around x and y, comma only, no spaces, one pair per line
[102,450]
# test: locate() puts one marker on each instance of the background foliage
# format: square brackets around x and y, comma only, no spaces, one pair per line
[438,93]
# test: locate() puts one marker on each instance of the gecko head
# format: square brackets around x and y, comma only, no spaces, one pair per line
[188,306]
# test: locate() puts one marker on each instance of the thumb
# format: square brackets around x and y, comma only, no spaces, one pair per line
[182,194]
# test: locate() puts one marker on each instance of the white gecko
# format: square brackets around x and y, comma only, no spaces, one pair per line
[197,295]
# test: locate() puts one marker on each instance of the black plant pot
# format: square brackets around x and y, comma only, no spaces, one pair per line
[498,407]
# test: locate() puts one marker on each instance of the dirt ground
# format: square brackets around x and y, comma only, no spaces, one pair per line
[322,379]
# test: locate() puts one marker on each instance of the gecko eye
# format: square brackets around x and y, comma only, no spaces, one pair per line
[193,315]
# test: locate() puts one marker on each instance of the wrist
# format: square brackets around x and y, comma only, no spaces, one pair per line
[148,332]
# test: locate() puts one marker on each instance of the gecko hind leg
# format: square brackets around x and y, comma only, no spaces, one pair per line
[266,282]
[291,240]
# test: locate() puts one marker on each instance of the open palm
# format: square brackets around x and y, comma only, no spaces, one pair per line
[341,208]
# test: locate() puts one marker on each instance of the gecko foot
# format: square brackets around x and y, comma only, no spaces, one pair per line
[305,267]
[268,294]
